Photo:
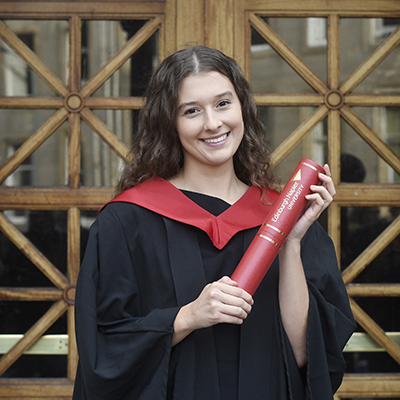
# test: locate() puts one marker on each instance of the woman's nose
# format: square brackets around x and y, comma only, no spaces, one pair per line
[212,121]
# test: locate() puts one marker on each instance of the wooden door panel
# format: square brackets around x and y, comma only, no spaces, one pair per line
[337,101]
[79,105]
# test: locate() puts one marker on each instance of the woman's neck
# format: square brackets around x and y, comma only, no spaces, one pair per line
[222,184]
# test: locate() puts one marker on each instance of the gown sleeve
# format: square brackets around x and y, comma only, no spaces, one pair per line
[330,322]
[124,348]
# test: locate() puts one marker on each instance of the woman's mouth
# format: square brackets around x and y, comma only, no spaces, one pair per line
[216,140]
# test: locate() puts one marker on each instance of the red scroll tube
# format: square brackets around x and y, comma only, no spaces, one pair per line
[277,226]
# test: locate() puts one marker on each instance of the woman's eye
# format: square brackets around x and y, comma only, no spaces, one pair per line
[189,111]
[224,103]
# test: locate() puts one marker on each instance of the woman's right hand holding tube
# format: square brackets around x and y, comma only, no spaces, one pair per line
[219,302]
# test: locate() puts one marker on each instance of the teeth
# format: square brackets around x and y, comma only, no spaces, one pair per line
[216,140]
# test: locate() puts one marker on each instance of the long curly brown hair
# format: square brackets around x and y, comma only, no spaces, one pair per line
[156,149]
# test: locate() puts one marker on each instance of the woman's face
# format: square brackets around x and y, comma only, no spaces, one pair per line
[209,120]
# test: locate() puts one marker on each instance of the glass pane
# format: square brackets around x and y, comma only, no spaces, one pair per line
[280,122]
[370,362]
[47,231]
[270,73]
[357,47]
[388,128]
[20,316]
[369,397]
[101,40]
[87,219]
[47,165]
[100,164]
[49,41]
[17,318]
[19,78]
[360,227]
[35,366]
[358,153]
[385,312]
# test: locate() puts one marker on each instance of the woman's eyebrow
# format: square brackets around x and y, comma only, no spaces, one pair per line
[189,103]
[227,93]
[193,103]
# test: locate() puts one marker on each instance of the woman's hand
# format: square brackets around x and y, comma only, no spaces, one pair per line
[219,302]
[319,201]
[293,290]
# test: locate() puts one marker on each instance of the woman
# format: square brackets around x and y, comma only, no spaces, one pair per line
[157,315]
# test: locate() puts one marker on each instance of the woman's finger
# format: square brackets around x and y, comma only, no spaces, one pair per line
[327,181]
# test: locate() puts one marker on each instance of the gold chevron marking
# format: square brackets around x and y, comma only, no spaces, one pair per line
[297,177]
[269,240]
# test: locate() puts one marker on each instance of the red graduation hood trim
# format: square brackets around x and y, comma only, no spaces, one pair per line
[162,197]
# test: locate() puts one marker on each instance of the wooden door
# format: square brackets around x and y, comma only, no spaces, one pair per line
[325,76]
[72,77]
[72,74]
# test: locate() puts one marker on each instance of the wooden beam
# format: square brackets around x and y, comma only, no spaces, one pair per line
[219,25]
[333,51]
[125,9]
[74,151]
[114,103]
[190,23]
[373,289]
[241,37]
[388,8]
[90,198]
[367,195]
[371,100]
[75,47]
[370,386]
[288,100]
[31,102]
[334,144]
[30,294]
[38,389]
[73,356]
[334,229]
[334,219]
[74,244]
[56,198]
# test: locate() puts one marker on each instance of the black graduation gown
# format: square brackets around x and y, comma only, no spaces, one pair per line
[141,265]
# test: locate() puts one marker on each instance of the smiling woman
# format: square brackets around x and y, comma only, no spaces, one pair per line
[154,290]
